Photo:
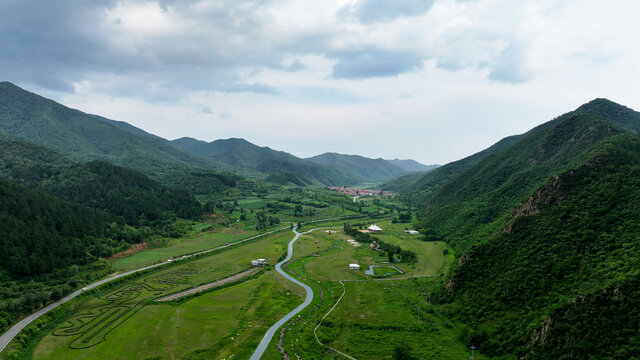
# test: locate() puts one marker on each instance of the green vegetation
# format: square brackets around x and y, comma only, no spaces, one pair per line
[573,238]
[103,325]
[87,137]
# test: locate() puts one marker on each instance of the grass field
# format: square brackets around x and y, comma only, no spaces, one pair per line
[123,323]
[185,245]
[374,316]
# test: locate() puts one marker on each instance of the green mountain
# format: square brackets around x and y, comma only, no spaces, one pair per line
[127,194]
[621,115]
[371,170]
[277,166]
[412,165]
[402,184]
[87,137]
[545,231]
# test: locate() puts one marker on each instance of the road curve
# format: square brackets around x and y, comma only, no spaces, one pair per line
[6,338]
[257,354]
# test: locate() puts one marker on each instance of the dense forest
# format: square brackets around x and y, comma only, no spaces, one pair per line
[546,231]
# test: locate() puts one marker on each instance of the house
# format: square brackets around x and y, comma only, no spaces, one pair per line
[374,228]
[412,232]
[259,262]
[354,267]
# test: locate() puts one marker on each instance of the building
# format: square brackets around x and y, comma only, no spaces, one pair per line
[374,228]
[259,262]
[412,232]
[354,267]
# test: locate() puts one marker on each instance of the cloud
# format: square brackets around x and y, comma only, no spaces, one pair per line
[297,65]
[169,45]
[207,110]
[373,63]
[510,66]
[373,11]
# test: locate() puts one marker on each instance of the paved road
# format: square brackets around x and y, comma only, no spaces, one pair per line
[257,354]
[13,331]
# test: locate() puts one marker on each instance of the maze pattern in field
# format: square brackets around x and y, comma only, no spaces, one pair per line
[92,327]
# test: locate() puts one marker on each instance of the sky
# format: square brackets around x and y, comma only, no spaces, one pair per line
[429,80]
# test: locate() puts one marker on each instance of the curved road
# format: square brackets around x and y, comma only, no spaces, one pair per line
[15,329]
[257,354]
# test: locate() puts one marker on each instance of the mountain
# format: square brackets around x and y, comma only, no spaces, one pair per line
[278,166]
[620,115]
[402,184]
[130,196]
[412,165]
[87,137]
[372,170]
[544,229]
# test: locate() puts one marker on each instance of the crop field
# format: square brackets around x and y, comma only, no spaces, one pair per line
[116,321]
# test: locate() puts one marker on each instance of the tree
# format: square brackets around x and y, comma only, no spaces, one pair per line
[402,351]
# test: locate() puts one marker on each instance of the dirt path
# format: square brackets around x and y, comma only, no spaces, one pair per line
[232,278]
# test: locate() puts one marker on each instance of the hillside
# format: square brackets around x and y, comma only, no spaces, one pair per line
[87,137]
[557,278]
[544,232]
[466,210]
[122,192]
[278,166]
[618,114]
[373,170]
[412,165]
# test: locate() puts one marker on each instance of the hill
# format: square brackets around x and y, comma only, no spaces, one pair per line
[543,230]
[122,192]
[557,278]
[412,165]
[277,166]
[372,170]
[87,137]
[618,114]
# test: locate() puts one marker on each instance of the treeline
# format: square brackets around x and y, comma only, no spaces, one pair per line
[390,249]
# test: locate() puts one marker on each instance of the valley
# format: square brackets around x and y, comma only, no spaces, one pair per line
[525,250]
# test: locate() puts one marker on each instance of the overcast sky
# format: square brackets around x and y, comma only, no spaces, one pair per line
[431,80]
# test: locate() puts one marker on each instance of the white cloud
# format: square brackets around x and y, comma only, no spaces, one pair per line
[451,76]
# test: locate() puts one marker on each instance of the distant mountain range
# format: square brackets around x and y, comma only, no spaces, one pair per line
[85,137]
[326,169]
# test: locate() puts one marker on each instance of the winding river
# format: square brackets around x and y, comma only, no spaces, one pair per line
[257,354]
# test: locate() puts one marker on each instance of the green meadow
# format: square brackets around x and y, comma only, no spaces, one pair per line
[113,322]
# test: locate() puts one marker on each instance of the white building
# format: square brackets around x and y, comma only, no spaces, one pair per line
[374,228]
[412,232]
[259,262]
[354,267]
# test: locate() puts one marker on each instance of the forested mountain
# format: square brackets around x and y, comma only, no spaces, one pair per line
[278,166]
[123,192]
[373,170]
[88,137]
[546,231]
[620,115]
[40,233]
[412,165]
[402,184]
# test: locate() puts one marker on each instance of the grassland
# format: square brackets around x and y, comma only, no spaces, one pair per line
[186,245]
[375,316]
[123,323]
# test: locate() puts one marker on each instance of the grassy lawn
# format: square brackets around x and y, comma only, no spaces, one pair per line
[375,317]
[185,245]
[122,323]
